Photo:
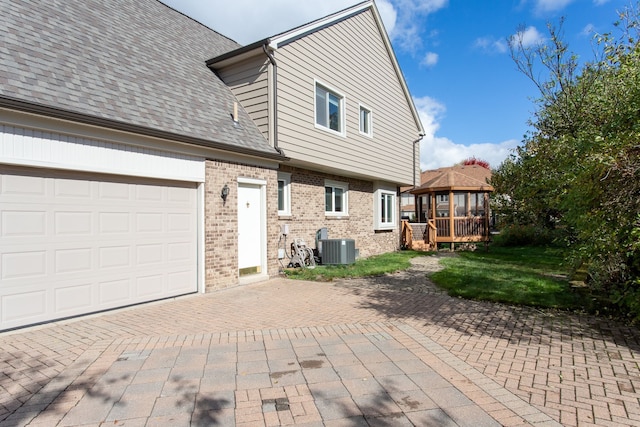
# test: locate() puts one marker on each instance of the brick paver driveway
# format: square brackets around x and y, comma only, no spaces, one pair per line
[385,351]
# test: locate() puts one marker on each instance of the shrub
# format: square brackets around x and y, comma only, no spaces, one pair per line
[523,235]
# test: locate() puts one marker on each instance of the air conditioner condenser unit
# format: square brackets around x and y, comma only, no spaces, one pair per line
[337,251]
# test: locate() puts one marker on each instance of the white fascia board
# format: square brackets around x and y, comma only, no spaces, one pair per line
[298,32]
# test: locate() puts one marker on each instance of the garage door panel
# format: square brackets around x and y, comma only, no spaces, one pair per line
[149,287]
[23,264]
[149,222]
[71,300]
[148,192]
[23,308]
[179,222]
[114,222]
[180,195]
[179,281]
[114,257]
[179,252]
[22,223]
[113,191]
[22,186]
[73,222]
[114,293]
[73,260]
[72,244]
[71,188]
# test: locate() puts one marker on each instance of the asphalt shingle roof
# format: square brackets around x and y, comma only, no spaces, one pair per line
[460,176]
[136,62]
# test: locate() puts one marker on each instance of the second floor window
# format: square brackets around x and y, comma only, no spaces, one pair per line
[365,121]
[329,109]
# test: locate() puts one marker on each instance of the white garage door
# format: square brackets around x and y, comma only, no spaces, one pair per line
[75,243]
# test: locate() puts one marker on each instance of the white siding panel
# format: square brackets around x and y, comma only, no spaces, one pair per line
[27,147]
[352,58]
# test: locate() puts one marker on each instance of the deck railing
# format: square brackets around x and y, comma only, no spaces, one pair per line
[470,226]
[442,224]
[411,234]
[474,226]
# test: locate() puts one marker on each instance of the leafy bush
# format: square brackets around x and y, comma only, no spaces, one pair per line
[578,168]
[523,235]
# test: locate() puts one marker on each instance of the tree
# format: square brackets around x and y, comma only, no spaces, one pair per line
[473,161]
[578,170]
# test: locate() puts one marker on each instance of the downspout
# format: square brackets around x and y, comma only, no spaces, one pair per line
[273,62]
[414,157]
[416,210]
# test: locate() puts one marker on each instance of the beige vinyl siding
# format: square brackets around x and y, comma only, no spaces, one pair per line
[249,82]
[350,57]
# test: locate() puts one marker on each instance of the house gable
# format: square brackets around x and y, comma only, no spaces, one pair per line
[347,53]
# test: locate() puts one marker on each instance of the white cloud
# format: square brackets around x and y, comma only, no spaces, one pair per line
[528,37]
[544,6]
[431,112]
[247,21]
[490,45]
[437,152]
[588,30]
[600,2]
[388,15]
[260,19]
[406,33]
[441,152]
[429,60]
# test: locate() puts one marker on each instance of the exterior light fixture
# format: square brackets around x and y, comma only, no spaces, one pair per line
[224,193]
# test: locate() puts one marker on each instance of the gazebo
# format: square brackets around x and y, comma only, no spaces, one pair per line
[452,205]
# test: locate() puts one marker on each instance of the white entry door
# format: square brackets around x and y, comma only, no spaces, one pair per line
[250,239]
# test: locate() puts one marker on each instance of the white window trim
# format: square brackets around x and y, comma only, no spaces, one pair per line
[343,109]
[370,115]
[286,177]
[377,218]
[345,191]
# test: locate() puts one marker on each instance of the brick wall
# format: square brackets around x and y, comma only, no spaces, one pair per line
[307,213]
[221,221]
[307,216]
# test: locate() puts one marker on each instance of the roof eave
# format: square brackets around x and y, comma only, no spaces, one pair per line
[72,116]
[424,190]
[237,55]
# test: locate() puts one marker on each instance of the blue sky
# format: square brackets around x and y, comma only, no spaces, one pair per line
[454,55]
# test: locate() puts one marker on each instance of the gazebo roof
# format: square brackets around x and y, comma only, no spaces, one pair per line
[460,177]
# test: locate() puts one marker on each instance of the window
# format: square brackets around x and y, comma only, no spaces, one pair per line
[386,204]
[442,205]
[335,198]
[385,209]
[460,204]
[284,193]
[477,204]
[329,109]
[365,121]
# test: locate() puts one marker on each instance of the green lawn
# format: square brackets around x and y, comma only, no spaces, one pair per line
[372,266]
[532,276]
